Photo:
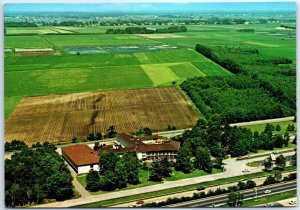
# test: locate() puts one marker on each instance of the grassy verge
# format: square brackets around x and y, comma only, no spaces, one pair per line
[180,189]
[190,102]
[253,164]
[270,198]
[261,151]
[283,126]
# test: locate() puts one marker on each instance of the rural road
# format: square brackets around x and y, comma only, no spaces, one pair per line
[170,134]
[233,168]
[258,122]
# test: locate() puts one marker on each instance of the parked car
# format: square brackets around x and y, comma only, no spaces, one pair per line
[267,191]
[200,188]
[293,202]
[245,170]
[268,204]
[240,158]
[140,202]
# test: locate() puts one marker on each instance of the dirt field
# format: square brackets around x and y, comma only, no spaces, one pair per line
[35,53]
[57,118]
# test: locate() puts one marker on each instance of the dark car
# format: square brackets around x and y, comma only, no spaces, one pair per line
[140,202]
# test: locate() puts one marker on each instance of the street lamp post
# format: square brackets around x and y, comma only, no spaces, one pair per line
[148,174]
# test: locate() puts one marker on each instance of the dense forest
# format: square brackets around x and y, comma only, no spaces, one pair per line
[33,175]
[144,30]
[261,87]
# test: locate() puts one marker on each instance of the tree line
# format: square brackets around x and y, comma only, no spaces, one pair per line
[144,30]
[217,139]
[227,63]
[33,175]
[20,24]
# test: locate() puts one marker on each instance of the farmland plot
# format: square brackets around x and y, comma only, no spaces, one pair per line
[58,118]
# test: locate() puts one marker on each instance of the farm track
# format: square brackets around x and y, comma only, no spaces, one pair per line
[259,122]
[58,118]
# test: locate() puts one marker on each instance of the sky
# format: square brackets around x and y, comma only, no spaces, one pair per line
[148,7]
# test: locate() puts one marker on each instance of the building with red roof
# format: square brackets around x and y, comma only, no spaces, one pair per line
[81,158]
[145,148]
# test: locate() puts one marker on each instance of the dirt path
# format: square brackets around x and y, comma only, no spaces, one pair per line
[82,191]
[258,122]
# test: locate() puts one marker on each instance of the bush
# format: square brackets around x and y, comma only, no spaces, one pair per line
[269,180]
[14,145]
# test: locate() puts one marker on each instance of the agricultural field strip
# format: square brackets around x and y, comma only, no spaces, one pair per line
[101,67]
[158,108]
[17,115]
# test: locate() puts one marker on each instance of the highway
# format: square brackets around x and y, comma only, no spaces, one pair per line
[248,194]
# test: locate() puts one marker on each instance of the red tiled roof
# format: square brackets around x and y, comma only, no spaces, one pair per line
[81,154]
[145,138]
[136,144]
[170,146]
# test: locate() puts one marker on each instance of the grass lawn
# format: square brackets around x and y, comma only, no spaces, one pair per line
[181,189]
[260,151]
[253,164]
[283,125]
[144,177]
[180,175]
[270,198]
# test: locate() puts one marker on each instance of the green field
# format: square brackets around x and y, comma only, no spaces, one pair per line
[64,73]
[10,103]
[43,82]
[25,42]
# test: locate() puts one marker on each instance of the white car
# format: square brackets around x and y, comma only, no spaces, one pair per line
[293,202]
[267,191]
[268,204]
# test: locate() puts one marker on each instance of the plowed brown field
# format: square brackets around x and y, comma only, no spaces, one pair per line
[57,118]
